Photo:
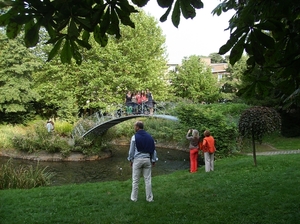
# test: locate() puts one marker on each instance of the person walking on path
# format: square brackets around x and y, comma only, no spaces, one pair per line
[142,156]
[208,148]
[193,147]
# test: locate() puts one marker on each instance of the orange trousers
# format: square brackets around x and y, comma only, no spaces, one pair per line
[193,160]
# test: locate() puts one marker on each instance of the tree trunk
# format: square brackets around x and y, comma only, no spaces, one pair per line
[254,151]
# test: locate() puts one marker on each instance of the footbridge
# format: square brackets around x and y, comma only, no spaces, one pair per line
[98,123]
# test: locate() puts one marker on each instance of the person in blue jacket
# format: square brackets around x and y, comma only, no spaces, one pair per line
[142,156]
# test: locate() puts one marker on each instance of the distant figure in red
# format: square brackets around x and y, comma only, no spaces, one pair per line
[208,148]
[193,146]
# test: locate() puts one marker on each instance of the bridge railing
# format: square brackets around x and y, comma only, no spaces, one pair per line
[98,118]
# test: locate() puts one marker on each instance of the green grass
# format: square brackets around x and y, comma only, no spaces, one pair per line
[283,143]
[236,192]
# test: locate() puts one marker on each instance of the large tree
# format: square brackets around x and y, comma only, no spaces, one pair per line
[17,65]
[135,61]
[267,30]
[194,81]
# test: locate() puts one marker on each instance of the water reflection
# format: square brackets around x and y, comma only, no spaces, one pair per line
[115,168]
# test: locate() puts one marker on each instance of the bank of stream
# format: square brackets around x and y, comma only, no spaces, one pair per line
[115,167]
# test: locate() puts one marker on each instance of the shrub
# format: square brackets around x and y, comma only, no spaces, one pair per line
[37,138]
[220,119]
[63,128]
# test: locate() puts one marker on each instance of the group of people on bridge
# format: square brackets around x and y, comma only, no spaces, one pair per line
[139,102]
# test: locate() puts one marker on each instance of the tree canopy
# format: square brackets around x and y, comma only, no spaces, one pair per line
[17,65]
[268,31]
[194,81]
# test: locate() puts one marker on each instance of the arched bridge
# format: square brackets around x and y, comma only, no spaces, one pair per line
[98,123]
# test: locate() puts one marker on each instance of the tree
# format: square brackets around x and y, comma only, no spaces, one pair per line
[269,33]
[216,58]
[70,23]
[232,82]
[16,67]
[194,81]
[105,75]
[256,122]
[267,30]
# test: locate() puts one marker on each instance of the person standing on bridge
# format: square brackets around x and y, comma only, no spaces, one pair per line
[149,97]
[128,103]
[142,156]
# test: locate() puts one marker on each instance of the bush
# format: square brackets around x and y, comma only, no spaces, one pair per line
[220,119]
[38,138]
[24,177]
[63,128]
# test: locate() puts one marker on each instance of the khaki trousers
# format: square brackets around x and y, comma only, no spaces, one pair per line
[141,166]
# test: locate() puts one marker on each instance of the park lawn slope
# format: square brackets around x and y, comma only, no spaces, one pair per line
[236,192]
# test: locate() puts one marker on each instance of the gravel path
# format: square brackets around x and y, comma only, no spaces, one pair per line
[275,153]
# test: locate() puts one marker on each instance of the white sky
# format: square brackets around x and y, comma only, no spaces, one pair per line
[201,36]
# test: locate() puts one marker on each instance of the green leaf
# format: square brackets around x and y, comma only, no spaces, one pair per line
[4,19]
[85,23]
[237,50]
[124,17]
[187,10]
[264,39]
[198,4]
[114,25]
[31,34]
[83,44]
[126,7]
[12,29]
[50,30]
[55,50]
[102,40]
[66,52]
[85,36]
[176,14]
[72,29]
[104,25]
[233,39]
[77,56]
[251,61]
[165,3]
[140,3]
[164,17]
[257,49]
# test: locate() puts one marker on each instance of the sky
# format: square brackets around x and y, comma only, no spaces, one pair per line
[201,36]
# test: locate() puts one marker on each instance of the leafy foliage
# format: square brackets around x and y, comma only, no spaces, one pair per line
[71,23]
[133,62]
[194,81]
[258,121]
[269,33]
[17,65]
[220,119]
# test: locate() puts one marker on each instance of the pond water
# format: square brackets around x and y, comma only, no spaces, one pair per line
[114,168]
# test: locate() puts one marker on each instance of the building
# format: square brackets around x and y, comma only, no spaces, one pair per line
[217,69]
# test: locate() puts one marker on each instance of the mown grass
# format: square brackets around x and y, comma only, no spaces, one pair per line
[236,192]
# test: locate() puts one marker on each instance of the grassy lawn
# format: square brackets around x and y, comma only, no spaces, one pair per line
[236,192]
[272,143]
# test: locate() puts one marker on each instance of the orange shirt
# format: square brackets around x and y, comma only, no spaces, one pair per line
[209,144]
